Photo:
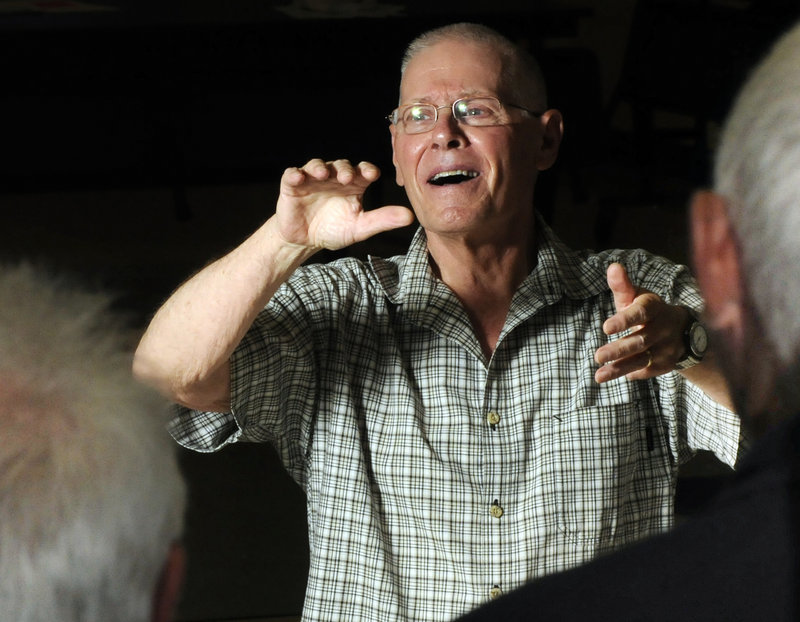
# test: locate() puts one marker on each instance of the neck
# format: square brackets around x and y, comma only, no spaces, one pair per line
[484,276]
[485,267]
[500,260]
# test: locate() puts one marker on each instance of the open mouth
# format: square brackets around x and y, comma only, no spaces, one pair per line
[452,177]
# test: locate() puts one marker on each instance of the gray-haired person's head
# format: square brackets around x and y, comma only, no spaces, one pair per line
[757,170]
[91,498]
[522,73]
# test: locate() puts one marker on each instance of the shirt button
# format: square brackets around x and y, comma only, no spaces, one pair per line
[493,418]
[496,510]
[495,592]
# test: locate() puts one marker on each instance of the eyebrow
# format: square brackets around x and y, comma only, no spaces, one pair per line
[462,95]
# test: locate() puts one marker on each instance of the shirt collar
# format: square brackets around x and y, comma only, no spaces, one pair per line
[563,272]
[559,272]
[406,277]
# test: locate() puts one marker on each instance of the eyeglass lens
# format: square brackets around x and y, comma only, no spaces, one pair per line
[419,118]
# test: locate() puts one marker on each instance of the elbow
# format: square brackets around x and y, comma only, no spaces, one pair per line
[197,391]
[198,388]
[146,370]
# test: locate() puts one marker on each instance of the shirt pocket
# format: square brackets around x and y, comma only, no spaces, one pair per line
[611,472]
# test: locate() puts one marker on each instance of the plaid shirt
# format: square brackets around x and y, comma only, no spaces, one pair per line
[437,479]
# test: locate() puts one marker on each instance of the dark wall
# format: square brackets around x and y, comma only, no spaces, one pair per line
[140,143]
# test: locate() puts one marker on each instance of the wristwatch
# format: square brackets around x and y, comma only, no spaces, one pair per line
[695,338]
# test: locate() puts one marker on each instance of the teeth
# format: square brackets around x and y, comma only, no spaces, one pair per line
[462,173]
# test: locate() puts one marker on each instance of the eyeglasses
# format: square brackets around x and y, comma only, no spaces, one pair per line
[474,111]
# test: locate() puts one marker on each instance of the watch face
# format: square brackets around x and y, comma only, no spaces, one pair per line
[698,339]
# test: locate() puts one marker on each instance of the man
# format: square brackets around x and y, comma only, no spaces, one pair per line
[91,499]
[739,559]
[440,409]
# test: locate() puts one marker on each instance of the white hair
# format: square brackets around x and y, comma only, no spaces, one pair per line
[91,497]
[521,72]
[757,170]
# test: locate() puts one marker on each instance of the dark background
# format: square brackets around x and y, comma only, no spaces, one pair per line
[138,143]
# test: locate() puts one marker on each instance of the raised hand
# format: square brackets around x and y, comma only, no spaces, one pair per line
[321,205]
[655,342]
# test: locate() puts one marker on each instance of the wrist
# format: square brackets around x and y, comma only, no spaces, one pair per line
[695,341]
[282,250]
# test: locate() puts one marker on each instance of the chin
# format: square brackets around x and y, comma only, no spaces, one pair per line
[455,218]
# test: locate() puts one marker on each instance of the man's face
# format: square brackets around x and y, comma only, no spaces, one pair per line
[495,195]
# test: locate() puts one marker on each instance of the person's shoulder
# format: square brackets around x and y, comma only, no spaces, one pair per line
[645,268]
[345,276]
[592,263]
[339,268]
[631,258]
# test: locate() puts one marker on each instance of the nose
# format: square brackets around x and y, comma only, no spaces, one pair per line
[448,132]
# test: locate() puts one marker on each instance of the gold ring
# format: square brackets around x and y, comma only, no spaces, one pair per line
[649,359]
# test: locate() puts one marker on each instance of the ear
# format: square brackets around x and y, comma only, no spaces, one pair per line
[552,132]
[397,174]
[717,265]
[168,589]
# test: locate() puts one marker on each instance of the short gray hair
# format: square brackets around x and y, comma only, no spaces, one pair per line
[757,170]
[91,497]
[522,73]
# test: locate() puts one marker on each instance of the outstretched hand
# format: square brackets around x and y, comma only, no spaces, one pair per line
[321,205]
[655,342]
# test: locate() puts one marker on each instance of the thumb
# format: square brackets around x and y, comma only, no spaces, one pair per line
[383,219]
[621,286]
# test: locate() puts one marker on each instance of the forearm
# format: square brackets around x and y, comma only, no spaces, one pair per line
[709,378]
[186,349]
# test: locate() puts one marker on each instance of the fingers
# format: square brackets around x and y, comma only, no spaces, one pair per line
[369,171]
[620,285]
[341,171]
[653,323]
[623,357]
[653,348]
[321,205]
[639,312]
[292,177]
[631,345]
[642,365]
